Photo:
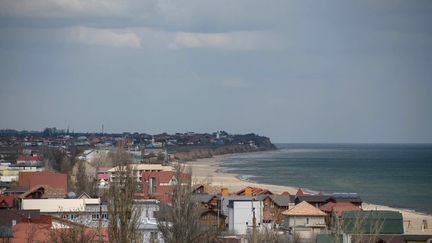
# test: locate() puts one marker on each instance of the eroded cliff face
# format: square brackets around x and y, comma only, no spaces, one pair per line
[193,153]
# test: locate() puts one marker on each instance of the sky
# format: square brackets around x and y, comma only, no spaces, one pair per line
[295,71]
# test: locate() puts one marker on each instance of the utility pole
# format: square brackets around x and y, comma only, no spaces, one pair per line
[254,225]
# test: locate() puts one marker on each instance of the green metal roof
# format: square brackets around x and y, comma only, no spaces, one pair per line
[327,238]
[5,231]
[372,222]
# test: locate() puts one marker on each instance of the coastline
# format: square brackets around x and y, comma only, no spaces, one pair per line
[209,171]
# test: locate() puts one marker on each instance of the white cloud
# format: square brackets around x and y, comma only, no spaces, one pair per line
[104,37]
[59,8]
[240,40]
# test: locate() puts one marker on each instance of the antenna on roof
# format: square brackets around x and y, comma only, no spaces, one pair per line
[102,128]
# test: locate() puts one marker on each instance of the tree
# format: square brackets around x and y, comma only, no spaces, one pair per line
[84,182]
[180,223]
[73,233]
[267,235]
[124,216]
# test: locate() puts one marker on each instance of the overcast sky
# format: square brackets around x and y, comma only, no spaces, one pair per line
[296,71]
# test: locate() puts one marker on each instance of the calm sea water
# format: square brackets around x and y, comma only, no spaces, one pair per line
[398,175]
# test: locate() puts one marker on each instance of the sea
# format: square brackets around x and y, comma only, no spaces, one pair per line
[396,175]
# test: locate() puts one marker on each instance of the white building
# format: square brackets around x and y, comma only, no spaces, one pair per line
[241,213]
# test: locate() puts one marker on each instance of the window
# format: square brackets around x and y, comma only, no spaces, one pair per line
[152,185]
[95,216]
[307,220]
[105,216]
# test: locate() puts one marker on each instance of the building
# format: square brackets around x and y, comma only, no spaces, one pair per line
[334,212]
[51,179]
[315,200]
[29,159]
[368,226]
[138,170]
[87,211]
[274,205]
[159,184]
[241,213]
[210,214]
[304,220]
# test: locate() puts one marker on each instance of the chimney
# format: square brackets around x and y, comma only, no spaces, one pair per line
[224,192]
[248,191]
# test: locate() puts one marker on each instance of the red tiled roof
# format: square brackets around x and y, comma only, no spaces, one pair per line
[29,158]
[104,177]
[52,179]
[6,201]
[299,192]
[339,207]
[164,176]
[41,231]
[285,193]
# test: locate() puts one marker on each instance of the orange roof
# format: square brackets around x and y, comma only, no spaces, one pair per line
[285,193]
[303,209]
[52,179]
[255,191]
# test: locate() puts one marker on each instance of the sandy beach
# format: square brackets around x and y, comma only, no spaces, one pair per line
[208,171]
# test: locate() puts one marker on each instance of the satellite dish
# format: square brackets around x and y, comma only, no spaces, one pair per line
[71,195]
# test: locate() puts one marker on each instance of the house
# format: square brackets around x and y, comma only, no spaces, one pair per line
[315,200]
[42,191]
[208,206]
[48,228]
[244,213]
[138,170]
[90,212]
[334,212]
[29,159]
[274,205]
[148,223]
[353,198]
[103,176]
[51,179]
[376,226]
[304,220]
[6,202]
[159,184]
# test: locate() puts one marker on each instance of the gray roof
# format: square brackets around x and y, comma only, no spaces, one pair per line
[16,189]
[313,198]
[282,200]
[201,197]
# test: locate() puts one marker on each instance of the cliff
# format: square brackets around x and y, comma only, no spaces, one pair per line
[200,152]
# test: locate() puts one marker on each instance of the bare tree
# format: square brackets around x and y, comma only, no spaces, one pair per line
[267,235]
[85,182]
[124,216]
[364,228]
[180,223]
[71,232]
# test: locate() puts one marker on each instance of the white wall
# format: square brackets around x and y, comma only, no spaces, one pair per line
[241,212]
[58,205]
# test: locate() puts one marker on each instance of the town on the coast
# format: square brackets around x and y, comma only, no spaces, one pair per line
[58,185]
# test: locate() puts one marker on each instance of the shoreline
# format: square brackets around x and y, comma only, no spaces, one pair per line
[209,171]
